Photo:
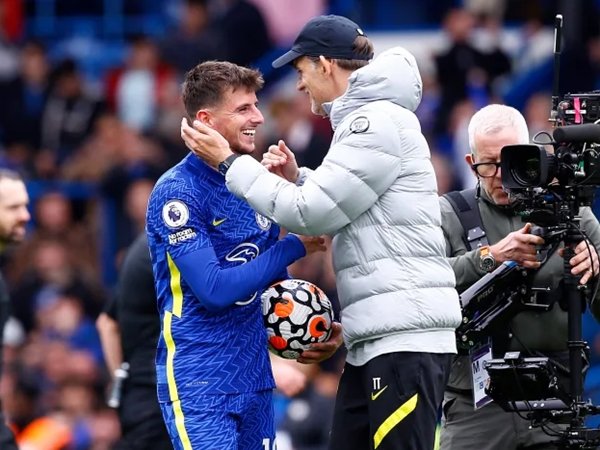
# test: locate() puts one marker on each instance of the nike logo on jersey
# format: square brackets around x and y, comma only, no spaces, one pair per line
[216,222]
[374,395]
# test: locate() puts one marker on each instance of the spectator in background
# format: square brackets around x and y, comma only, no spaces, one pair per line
[244,29]
[309,415]
[14,216]
[537,111]
[285,18]
[444,175]
[114,152]
[9,58]
[54,218]
[136,204]
[463,71]
[69,114]
[52,269]
[135,91]
[24,98]
[194,40]
[166,131]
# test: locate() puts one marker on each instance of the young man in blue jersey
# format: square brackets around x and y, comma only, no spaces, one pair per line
[212,255]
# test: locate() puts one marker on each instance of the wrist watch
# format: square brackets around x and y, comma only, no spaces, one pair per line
[224,165]
[487,262]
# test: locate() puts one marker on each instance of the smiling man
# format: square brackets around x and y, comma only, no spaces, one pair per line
[376,193]
[212,256]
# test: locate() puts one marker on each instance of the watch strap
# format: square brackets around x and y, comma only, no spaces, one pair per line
[224,165]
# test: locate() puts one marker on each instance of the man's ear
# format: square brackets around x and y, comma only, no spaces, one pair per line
[205,117]
[326,65]
[470,159]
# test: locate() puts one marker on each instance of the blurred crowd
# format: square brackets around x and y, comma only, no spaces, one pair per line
[87,143]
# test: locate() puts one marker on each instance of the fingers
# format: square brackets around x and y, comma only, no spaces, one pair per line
[336,332]
[191,137]
[275,156]
[587,276]
[530,264]
[285,150]
[320,351]
[585,258]
[585,262]
[317,352]
[272,160]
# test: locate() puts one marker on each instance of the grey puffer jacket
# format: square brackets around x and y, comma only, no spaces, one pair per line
[375,192]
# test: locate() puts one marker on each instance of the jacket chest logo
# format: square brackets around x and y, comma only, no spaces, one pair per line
[359,125]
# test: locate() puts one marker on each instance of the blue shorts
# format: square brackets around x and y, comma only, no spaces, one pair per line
[221,422]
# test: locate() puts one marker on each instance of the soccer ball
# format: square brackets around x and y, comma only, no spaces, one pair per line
[297,314]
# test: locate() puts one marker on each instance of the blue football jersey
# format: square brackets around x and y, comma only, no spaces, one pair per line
[200,351]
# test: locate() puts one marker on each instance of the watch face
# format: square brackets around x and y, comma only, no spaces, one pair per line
[487,263]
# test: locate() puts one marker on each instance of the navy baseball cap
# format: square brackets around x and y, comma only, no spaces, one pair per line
[331,36]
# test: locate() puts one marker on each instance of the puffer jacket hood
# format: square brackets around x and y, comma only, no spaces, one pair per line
[392,76]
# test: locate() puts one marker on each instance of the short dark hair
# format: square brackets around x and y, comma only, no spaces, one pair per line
[362,46]
[205,84]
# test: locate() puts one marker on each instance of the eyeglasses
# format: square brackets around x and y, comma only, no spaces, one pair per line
[486,169]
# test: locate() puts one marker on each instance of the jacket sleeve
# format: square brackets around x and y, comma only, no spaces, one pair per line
[590,226]
[465,263]
[358,168]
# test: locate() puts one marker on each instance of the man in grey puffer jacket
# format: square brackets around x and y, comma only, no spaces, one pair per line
[375,192]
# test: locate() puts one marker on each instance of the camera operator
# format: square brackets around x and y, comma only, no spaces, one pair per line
[533,333]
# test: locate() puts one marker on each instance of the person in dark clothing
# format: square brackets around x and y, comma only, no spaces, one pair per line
[24,98]
[129,329]
[464,71]
[14,216]
[245,31]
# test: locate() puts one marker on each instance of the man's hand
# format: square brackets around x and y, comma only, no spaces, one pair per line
[321,351]
[205,142]
[518,246]
[280,160]
[289,377]
[312,244]
[585,261]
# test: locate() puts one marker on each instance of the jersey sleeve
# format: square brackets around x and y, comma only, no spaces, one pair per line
[177,217]
[219,287]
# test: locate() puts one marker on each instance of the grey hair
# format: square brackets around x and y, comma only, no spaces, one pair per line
[494,118]
[10,174]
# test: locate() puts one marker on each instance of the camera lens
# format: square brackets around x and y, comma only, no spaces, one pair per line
[527,172]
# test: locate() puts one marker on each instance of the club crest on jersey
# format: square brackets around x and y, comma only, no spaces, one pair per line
[175,214]
[263,222]
[244,253]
